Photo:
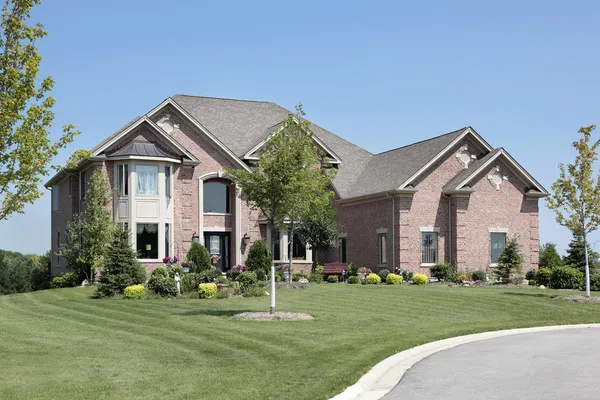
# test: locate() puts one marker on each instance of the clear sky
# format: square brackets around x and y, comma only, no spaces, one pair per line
[381,74]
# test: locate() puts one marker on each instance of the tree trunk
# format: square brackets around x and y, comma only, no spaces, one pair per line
[587,267]
[272,270]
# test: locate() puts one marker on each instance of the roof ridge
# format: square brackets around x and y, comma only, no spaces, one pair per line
[423,141]
[225,98]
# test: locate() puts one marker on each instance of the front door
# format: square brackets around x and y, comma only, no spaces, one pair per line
[217,244]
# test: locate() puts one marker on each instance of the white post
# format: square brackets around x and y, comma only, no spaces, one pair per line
[587,269]
[272,288]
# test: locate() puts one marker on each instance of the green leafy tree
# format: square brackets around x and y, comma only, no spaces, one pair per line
[575,257]
[89,234]
[121,267]
[26,110]
[287,183]
[576,197]
[549,257]
[199,255]
[77,157]
[259,258]
[510,262]
[320,230]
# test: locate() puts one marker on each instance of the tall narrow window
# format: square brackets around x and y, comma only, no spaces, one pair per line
[147,240]
[429,254]
[123,180]
[298,248]
[382,249]
[167,240]
[168,181]
[498,241]
[83,178]
[216,197]
[55,197]
[70,186]
[343,250]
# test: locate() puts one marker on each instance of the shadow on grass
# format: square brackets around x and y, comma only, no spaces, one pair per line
[548,295]
[215,313]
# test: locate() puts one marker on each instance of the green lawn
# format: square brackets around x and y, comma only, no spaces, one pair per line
[60,344]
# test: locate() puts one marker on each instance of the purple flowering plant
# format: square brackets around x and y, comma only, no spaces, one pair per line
[240,268]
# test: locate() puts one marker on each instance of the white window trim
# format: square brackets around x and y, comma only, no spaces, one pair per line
[380,251]
[433,229]
[427,265]
[217,214]
[430,229]
[497,230]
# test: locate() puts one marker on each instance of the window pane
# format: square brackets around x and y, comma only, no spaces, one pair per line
[83,185]
[298,248]
[167,240]
[216,197]
[428,247]
[147,179]
[120,179]
[382,249]
[343,250]
[498,241]
[147,240]
[168,181]
[126,180]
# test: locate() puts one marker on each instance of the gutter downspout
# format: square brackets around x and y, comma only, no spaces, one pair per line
[449,228]
[393,232]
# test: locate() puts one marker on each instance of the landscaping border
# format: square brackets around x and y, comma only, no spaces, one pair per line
[384,376]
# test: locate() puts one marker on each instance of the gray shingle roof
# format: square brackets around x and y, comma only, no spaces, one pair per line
[388,170]
[241,124]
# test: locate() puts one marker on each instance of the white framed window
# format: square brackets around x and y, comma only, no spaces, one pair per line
[167,240]
[497,245]
[216,197]
[382,248]
[146,179]
[123,179]
[429,248]
[168,181]
[147,240]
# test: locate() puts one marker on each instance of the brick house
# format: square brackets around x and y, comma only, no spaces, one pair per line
[452,198]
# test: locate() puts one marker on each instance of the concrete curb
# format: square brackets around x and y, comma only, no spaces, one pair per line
[384,376]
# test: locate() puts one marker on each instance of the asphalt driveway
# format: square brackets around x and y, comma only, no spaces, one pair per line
[545,365]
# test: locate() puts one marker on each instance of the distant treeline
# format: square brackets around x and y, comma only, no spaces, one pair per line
[21,273]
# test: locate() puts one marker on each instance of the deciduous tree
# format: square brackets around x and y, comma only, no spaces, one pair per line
[576,197]
[25,110]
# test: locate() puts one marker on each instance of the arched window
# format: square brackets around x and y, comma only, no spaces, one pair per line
[216,197]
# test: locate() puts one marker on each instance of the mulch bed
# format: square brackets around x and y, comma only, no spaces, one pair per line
[278,316]
[578,299]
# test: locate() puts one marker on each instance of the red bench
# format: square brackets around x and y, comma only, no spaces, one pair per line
[334,268]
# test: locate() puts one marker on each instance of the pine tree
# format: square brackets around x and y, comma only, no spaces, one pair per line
[121,267]
[510,262]
[549,257]
[575,256]
[259,257]
[199,255]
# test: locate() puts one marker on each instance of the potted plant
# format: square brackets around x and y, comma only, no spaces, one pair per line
[363,271]
[285,268]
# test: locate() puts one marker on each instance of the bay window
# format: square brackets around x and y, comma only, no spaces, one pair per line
[123,180]
[147,179]
[147,240]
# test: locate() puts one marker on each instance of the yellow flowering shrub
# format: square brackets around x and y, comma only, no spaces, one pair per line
[134,292]
[393,279]
[372,279]
[420,279]
[207,290]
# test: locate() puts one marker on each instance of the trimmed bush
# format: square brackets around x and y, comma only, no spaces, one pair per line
[372,279]
[406,275]
[353,279]
[160,272]
[420,279]
[247,278]
[162,286]
[566,278]
[190,282]
[333,279]
[57,282]
[531,282]
[478,275]
[530,275]
[315,277]
[393,279]
[383,274]
[543,276]
[134,292]
[199,255]
[254,291]
[65,280]
[222,294]
[443,272]
[207,290]
[174,270]
[259,258]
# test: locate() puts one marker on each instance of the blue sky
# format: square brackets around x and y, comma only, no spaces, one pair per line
[380,74]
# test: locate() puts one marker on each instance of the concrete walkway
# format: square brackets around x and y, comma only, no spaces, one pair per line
[562,364]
